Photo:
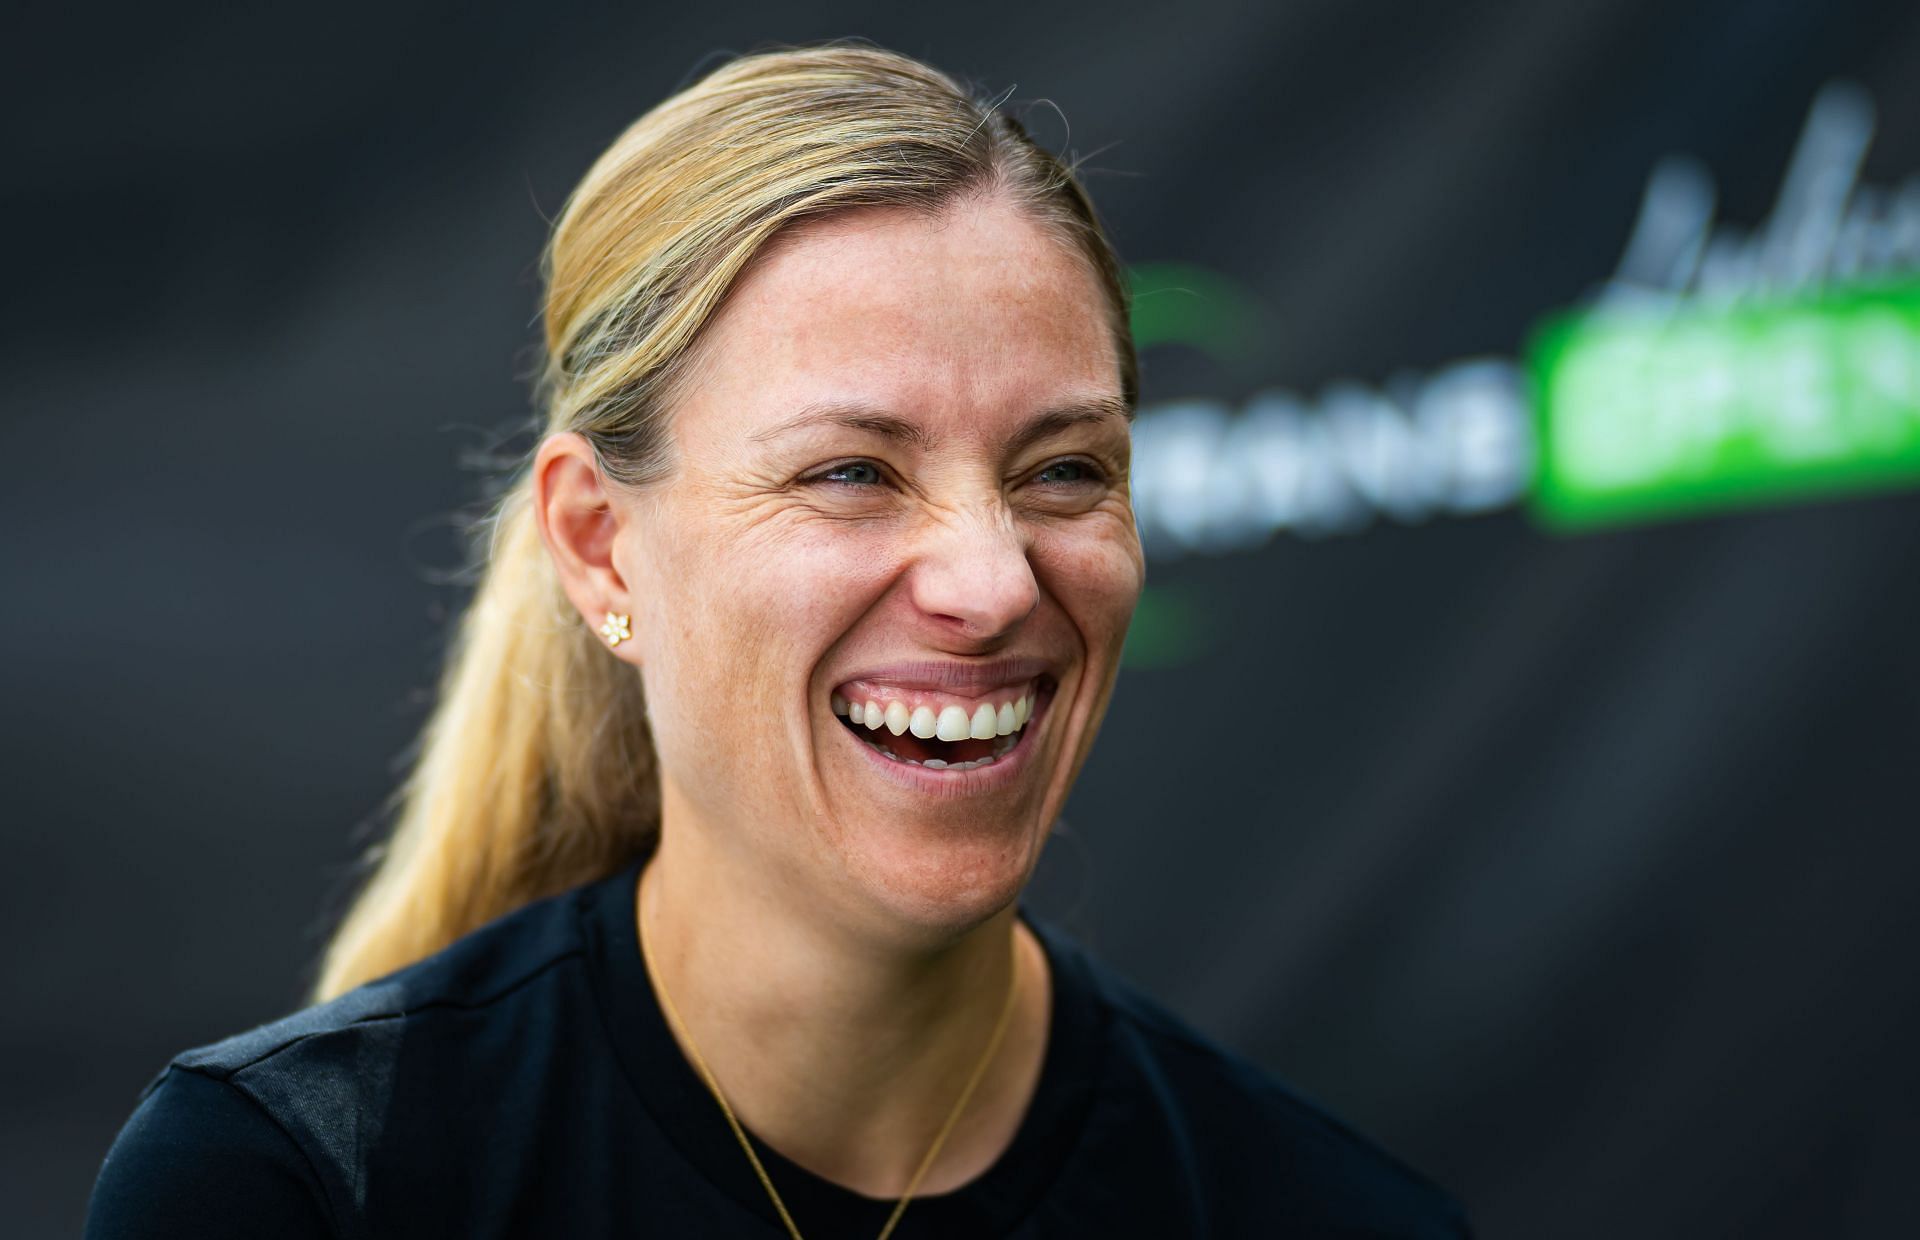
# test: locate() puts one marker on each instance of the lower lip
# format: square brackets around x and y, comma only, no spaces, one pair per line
[947,782]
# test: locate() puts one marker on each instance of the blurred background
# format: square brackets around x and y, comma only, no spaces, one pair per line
[1517,750]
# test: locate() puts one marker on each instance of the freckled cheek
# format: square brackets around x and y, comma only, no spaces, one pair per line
[1096,576]
[776,609]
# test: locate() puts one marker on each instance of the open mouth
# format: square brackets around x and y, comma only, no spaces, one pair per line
[939,731]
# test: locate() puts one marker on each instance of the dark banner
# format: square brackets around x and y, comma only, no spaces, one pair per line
[1516,750]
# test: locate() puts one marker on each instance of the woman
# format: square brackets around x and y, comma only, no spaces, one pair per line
[700,913]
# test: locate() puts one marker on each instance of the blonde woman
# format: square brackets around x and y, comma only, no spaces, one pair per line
[700,915]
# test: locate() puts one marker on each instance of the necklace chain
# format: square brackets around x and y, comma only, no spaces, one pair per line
[740,1134]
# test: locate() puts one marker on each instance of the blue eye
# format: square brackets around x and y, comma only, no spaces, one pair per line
[853,473]
[1065,473]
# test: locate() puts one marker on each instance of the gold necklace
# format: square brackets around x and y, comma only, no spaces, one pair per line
[713,1086]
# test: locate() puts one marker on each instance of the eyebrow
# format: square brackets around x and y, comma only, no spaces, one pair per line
[878,421]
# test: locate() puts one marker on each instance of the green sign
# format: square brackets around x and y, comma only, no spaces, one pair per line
[1643,414]
[1184,303]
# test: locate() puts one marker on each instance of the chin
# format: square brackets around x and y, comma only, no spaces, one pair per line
[930,886]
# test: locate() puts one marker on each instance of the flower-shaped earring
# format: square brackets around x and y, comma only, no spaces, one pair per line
[615,630]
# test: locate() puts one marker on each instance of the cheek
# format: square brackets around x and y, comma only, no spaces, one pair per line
[755,611]
[1096,573]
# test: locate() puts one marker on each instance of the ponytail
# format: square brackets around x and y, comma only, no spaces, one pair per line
[535,774]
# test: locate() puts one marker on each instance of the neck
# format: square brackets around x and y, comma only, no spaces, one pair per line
[844,1054]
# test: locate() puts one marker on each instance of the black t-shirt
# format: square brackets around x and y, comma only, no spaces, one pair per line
[523,1082]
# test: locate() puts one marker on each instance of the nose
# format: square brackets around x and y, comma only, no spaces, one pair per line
[972,575]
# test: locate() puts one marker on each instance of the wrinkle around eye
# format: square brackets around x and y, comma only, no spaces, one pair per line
[771,515]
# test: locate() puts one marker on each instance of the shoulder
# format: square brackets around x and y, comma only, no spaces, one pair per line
[489,969]
[200,1159]
[293,1109]
[1247,1135]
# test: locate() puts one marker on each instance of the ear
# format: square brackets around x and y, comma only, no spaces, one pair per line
[574,508]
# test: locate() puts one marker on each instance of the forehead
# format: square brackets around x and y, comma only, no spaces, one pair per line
[976,317]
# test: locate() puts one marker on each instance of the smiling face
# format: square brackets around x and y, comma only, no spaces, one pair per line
[880,597]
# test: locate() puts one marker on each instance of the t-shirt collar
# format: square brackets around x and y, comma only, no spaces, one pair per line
[676,1100]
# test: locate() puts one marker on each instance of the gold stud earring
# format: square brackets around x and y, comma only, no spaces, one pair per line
[615,630]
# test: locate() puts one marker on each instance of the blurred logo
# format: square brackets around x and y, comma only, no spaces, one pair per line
[1714,368]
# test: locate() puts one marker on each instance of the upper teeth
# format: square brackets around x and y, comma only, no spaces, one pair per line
[948,721]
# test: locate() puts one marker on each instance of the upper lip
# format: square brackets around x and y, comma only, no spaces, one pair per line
[970,679]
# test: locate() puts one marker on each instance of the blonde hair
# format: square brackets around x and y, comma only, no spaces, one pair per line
[535,772]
